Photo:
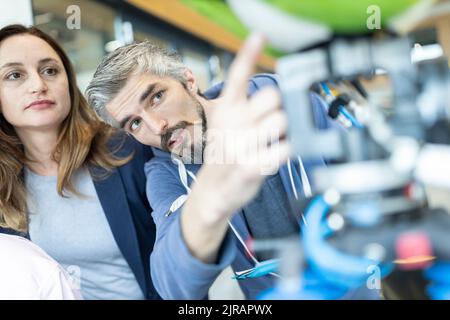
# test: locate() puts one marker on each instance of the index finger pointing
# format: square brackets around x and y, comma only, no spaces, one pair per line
[243,66]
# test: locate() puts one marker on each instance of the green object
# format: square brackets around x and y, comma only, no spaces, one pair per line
[342,16]
[219,12]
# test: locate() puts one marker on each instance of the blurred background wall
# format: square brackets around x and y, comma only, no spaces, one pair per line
[205,33]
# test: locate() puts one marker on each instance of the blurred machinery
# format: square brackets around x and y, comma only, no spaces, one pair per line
[389,143]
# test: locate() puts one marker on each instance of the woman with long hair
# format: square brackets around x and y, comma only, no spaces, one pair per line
[68,182]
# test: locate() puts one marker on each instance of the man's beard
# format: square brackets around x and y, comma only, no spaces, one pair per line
[193,154]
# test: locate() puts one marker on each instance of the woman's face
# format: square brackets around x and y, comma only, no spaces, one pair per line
[34,89]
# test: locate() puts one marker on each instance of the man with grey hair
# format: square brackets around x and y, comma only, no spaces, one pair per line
[152,95]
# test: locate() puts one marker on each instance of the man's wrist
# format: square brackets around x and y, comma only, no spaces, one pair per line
[206,207]
[203,233]
[210,191]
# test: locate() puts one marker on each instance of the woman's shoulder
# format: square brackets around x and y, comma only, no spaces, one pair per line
[122,145]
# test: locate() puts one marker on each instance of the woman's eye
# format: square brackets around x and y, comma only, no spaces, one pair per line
[50,71]
[134,125]
[13,76]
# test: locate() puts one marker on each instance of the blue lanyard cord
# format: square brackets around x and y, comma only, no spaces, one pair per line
[262,269]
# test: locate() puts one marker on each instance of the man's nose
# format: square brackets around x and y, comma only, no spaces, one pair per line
[37,84]
[157,125]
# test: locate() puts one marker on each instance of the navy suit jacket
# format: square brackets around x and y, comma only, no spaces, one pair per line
[124,201]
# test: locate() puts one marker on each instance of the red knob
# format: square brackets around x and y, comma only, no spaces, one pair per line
[414,251]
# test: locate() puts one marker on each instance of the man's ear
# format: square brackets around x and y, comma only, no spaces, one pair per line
[191,82]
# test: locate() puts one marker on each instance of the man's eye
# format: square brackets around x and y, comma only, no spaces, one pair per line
[157,97]
[13,76]
[134,125]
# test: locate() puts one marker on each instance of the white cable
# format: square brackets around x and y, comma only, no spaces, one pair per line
[182,174]
[294,189]
[177,204]
[291,178]
[243,243]
[191,175]
[305,181]
[183,177]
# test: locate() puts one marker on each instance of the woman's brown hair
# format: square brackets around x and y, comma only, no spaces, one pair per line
[82,141]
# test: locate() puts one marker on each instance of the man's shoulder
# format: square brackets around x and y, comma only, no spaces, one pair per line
[160,166]
[263,79]
[255,83]
[165,165]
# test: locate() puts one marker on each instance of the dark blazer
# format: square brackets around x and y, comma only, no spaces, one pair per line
[124,201]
